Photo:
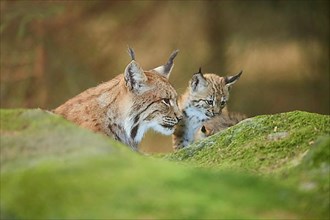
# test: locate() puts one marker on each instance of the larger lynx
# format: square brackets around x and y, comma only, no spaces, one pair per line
[206,96]
[128,105]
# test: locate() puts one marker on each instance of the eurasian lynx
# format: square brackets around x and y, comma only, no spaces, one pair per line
[205,97]
[128,105]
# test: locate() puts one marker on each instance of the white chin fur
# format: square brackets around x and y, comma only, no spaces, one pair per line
[162,130]
[197,113]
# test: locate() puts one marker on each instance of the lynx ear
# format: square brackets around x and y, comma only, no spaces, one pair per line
[166,69]
[198,81]
[134,76]
[230,80]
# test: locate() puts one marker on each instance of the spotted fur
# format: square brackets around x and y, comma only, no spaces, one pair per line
[128,105]
[205,97]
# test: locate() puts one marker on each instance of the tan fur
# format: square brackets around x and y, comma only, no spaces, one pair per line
[205,98]
[127,106]
[219,123]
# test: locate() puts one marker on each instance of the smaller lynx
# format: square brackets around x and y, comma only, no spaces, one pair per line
[205,97]
[128,105]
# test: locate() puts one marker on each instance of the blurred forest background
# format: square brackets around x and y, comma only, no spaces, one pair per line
[53,50]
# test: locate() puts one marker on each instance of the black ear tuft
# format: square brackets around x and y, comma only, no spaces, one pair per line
[172,56]
[166,69]
[131,53]
[200,70]
[168,66]
[229,80]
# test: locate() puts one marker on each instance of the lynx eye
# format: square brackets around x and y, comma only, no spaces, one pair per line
[209,102]
[166,101]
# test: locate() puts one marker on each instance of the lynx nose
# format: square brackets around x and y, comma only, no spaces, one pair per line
[179,117]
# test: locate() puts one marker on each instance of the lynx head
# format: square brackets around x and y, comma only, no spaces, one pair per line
[208,94]
[154,100]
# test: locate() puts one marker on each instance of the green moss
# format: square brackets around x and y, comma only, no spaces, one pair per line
[103,188]
[51,168]
[319,153]
[10,120]
[312,175]
[291,148]
[34,135]
[264,144]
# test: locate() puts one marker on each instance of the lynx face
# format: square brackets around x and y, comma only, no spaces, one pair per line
[156,108]
[205,98]
[208,94]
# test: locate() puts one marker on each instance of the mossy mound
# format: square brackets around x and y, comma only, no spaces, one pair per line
[293,148]
[51,168]
[263,144]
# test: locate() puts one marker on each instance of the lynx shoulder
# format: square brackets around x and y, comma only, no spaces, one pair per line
[205,98]
[128,105]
